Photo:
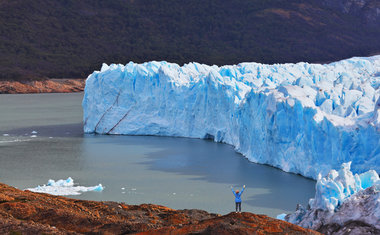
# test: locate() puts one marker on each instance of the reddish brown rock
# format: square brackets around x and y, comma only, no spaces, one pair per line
[43,86]
[33,213]
[235,223]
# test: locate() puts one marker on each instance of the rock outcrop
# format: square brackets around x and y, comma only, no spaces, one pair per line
[33,213]
[357,215]
[43,86]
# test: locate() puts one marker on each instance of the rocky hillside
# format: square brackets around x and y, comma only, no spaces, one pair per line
[367,10]
[44,38]
[32,213]
[42,86]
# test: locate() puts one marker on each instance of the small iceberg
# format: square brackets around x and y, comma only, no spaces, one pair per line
[64,187]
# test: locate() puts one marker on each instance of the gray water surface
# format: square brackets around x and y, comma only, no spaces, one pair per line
[175,172]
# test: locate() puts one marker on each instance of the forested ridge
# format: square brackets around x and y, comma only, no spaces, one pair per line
[69,38]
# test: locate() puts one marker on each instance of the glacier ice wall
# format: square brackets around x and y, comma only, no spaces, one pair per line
[303,118]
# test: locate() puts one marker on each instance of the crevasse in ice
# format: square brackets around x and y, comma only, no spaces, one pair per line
[303,118]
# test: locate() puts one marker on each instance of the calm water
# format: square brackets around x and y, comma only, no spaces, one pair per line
[175,172]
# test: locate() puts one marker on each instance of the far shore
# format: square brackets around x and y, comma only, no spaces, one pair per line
[62,85]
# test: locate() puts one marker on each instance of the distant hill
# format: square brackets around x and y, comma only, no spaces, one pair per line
[71,38]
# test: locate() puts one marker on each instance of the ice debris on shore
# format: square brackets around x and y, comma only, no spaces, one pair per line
[337,186]
[64,187]
[341,197]
[303,118]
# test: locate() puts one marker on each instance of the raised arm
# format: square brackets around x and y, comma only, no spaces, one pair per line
[232,188]
[242,190]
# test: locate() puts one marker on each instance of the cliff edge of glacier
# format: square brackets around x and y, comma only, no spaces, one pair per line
[303,118]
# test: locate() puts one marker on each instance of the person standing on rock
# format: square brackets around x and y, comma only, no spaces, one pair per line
[238,198]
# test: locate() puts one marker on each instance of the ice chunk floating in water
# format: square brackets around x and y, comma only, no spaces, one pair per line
[303,118]
[64,187]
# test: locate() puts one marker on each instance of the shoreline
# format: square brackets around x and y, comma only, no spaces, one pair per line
[28,212]
[53,85]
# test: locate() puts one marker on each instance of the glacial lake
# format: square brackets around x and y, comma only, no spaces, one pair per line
[175,172]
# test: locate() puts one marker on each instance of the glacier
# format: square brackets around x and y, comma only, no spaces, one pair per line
[342,201]
[64,187]
[302,118]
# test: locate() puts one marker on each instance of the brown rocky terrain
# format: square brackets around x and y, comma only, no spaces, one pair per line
[25,212]
[43,86]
